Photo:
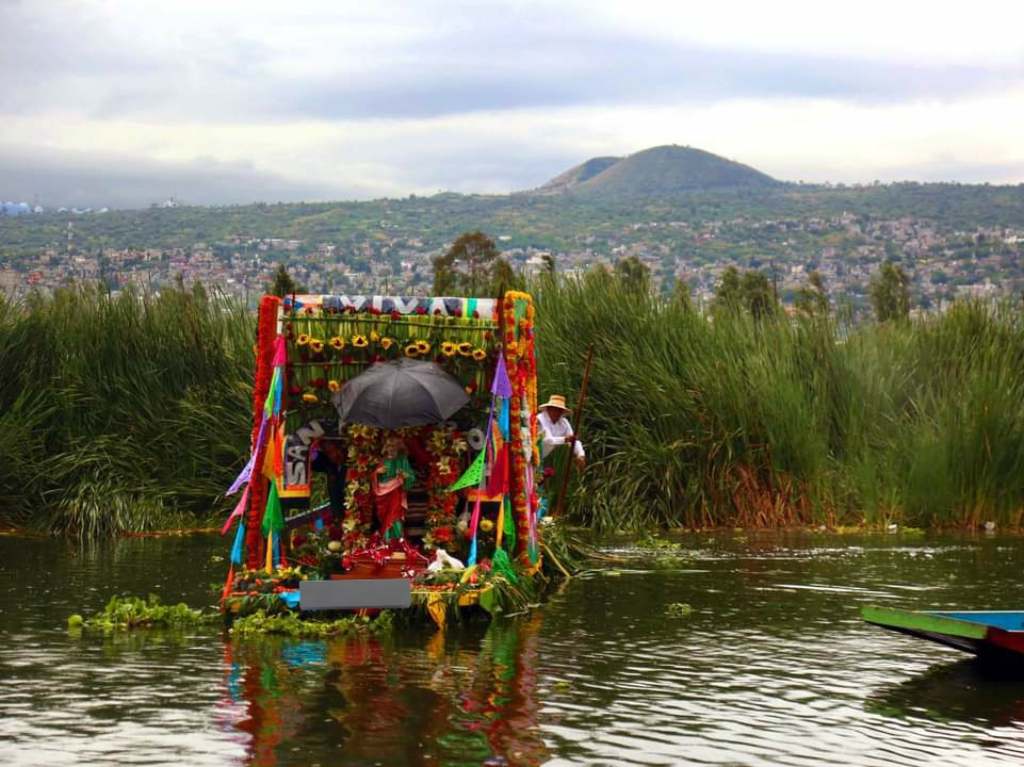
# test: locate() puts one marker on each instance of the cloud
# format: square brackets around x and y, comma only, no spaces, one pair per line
[125,103]
[119,181]
[466,58]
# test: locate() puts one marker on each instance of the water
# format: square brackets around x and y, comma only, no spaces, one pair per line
[772,667]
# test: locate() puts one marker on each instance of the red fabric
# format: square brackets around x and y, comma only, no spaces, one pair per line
[265,340]
[390,501]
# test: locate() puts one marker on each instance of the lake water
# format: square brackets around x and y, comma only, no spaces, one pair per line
[771,667]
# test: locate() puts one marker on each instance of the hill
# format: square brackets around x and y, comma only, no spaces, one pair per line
[663,171]
[575,176]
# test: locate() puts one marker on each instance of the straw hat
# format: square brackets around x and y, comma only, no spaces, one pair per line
[555,401]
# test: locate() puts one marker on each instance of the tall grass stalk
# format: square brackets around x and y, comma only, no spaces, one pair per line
[120,414]
[696,421]
[132,413]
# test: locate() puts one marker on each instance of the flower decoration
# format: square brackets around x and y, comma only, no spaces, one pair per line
[310,398]
[479,355]
[386,343]
[374,336]
[303,339]
[316,345]
[412,350]
[449,349]
[337,343]
[422,347]
[334,385]
[466,349]
[360,341]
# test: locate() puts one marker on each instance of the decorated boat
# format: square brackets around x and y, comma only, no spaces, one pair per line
[393,457]
[993,636]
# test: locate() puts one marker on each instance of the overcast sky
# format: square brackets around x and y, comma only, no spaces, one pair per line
[128,102]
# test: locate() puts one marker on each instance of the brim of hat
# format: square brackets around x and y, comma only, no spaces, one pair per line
[553,407]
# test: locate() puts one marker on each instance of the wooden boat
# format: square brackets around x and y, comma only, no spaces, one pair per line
[469,533]
[992,635]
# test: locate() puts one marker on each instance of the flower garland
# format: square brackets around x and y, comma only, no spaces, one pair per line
[363,455]
[445,446]
[521,363]
[335,345]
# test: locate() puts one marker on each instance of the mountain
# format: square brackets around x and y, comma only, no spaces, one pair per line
[656,172]
[573,177]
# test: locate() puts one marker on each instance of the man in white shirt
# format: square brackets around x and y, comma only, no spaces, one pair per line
[556,430]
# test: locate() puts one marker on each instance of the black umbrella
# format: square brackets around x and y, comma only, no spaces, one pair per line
[406,392]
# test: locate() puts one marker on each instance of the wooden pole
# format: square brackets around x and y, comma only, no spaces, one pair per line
[581,402]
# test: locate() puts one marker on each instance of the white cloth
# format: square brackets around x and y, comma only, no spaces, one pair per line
[554,434]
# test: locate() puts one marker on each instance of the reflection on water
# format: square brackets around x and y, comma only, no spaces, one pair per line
[771,667]
[384,701]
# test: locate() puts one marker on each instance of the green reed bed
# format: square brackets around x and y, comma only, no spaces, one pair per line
[132,413]
[696,421]
[120,414]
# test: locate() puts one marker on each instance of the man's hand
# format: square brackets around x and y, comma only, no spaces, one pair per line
[581,462]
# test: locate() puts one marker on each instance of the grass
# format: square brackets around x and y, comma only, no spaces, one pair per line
[120,414]
[131,413]
[694,422]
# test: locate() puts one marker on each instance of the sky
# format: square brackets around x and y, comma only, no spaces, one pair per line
[128,102]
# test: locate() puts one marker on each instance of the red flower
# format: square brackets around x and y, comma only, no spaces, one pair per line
[421,310]
[443,534]
[395,314]
[437,312]
[374,311]
[476,314]
[457,312]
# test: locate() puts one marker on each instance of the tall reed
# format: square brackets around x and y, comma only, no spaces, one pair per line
[132,413]
[120,414]
[695,421]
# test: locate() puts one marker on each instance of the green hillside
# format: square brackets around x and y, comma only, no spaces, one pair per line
[668,170]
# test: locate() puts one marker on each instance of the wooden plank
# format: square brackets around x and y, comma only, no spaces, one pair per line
[931,623]
[355,594]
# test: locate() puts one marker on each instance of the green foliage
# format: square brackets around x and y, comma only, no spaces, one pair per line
[289,624]
[746,423]
[125,613]
[472,266]
[283,284]
[890,293]
[121,414]
[812,299]
[633,274]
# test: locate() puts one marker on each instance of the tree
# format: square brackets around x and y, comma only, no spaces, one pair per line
[633,274]
[283,284]
[468,266]
[681,295]
[728,297]
[758,294]
[890,293]
[812,298]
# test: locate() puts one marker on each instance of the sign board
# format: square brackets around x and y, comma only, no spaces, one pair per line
[355,594]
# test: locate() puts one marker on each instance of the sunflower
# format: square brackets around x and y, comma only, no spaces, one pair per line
[303,339]
[316,345]
[479,355]
[360,342]
[333,385]
[310,398]
[448,349]
[337,343]
[387,343]
[374,336]
[412,350]
[422,346]
[466,349]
